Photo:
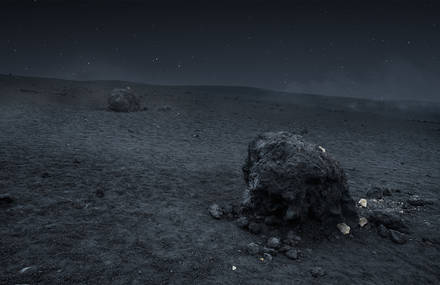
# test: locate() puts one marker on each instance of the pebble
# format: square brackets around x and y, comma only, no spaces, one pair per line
[317,271]
[215,211]
[363,203]
[383,231]
[363,221]
[253,248]
[267,257]
[398,237]
[6,199]
[343,228]
[274,242]
[292,254]
[242,222]
[254,228]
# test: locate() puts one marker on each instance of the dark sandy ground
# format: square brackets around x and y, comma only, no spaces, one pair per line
[121,198]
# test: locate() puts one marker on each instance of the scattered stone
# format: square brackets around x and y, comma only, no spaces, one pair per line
[267,257]
[387,192]
[416,201]
[295,181]
[343,228]
[317,272]
[284,248]
[389,220]
[6,199]
[45,175]
[242,222]
[293,236]
[215,211]
[398,237]
[274,242]
[383,231]
[26,269]
[234,268]
[100,193]
[271,251]
[363,221]
[292,254]
[272,221]
[254,228]
[123,100]
[253,248]
[375,193]
[363,203]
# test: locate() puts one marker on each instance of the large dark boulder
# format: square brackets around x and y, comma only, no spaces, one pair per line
[295,181]
[123,100]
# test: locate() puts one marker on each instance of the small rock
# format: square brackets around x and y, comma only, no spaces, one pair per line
[387,192]
[343,228]
[99,193]
[363,203]
[390,220]
[416,201]
[267,257]
[363,221]
[284,248]
[274,242]
[292,254]
[272,221]
[271,251]
[6,199]
[215,211]
[254,228]
[253,248]
[293,236]
[317,272]
[26,269]
[383,231]
[45,175]
[234,268]
[398,237]
[242,222]
[375,192]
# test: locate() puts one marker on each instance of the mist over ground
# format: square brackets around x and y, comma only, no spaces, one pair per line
[374,49]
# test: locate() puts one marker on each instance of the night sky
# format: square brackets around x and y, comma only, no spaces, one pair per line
[375,49]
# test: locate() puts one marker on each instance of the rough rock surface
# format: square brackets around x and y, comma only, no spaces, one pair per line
[123,100]
[295,180]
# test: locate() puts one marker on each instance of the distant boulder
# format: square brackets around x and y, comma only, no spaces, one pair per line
[295,181]
[123,100]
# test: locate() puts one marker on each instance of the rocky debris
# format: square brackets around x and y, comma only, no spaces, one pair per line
[398,237]
[389,220]
[363,203]
[253,248]
[416,201]
[343,228]
[254,228]
[293,181]
[317,272]
[267,257]
[272,221]
[292,254]
[6,199]
[274,242]
[100,193]
[215,211]
[271,251]
[363,221]
[242,222]
[378,192]
[123,100]
[383,231]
